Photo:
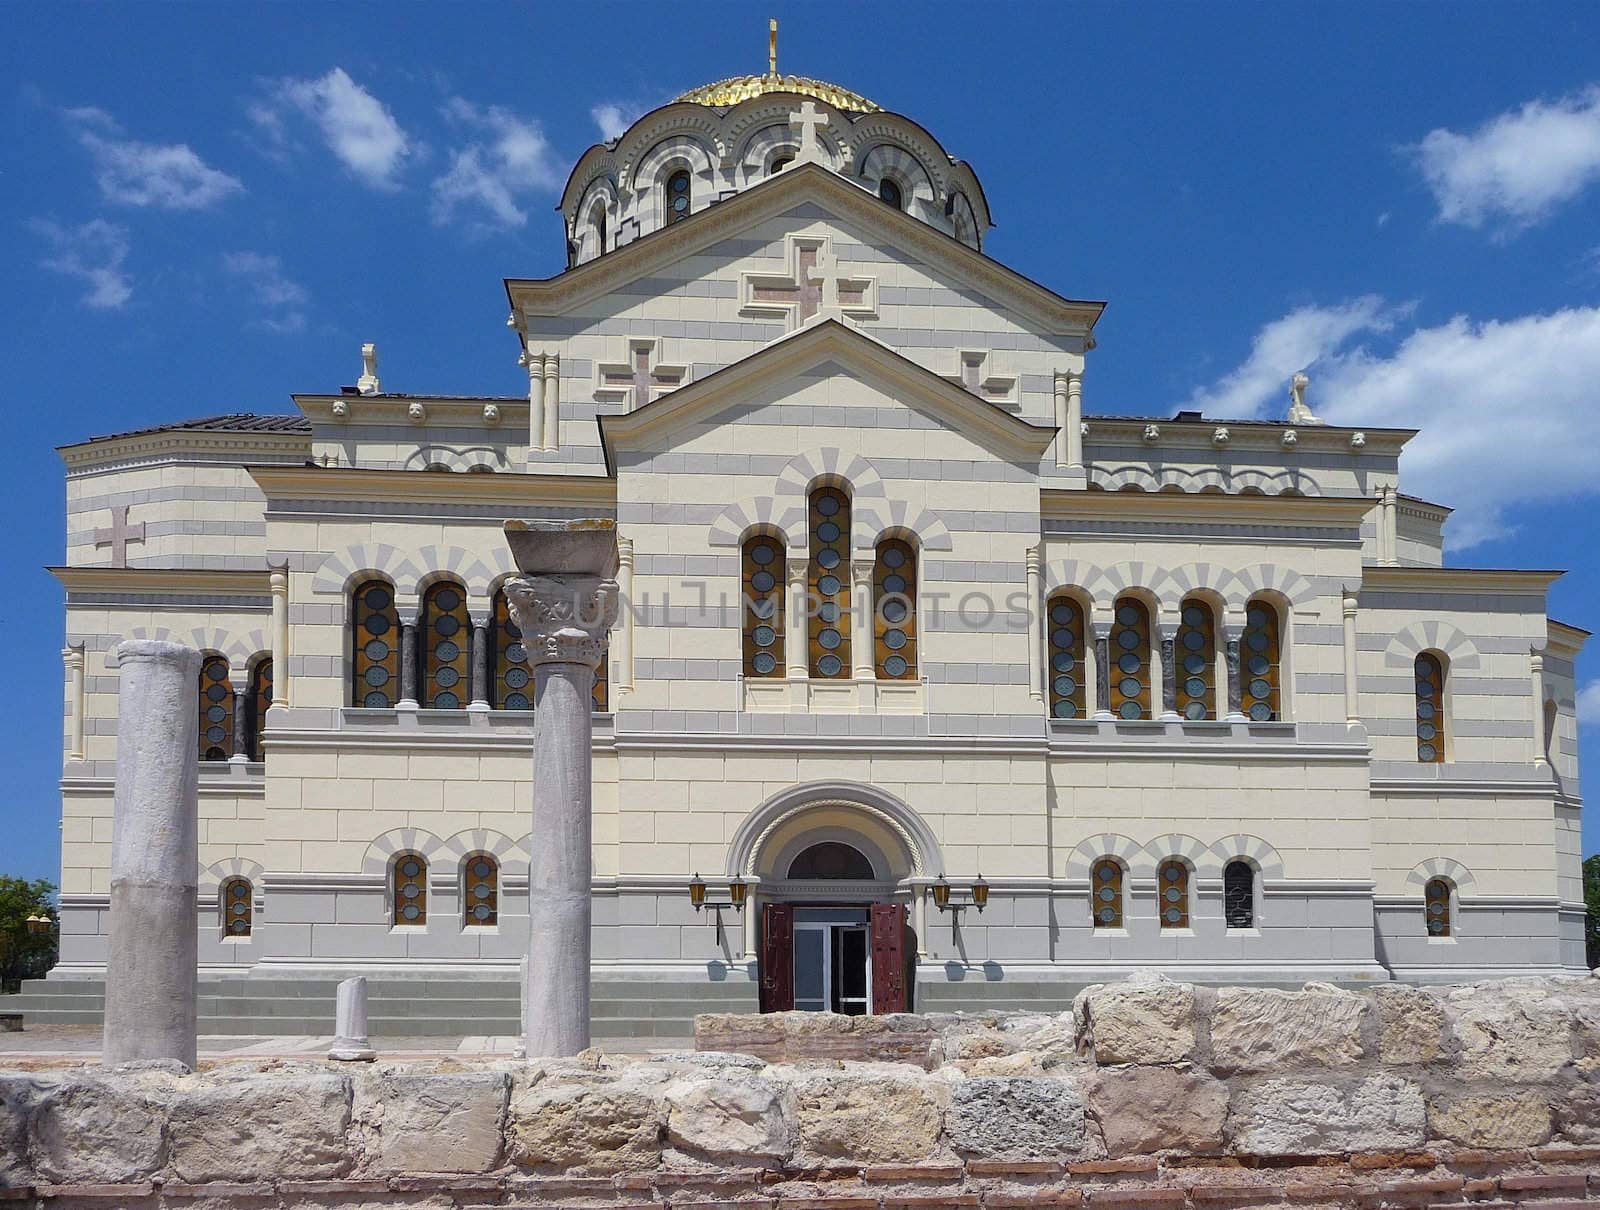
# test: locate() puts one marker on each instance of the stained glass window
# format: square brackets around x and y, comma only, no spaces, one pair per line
[1436,907]
[1130,660]
[829,625]
[1172,892]
[1430,709]
[1194,663]
[446,644]
[1258,664]
[513,680]
[762,585]
[677,197]
[1239,894]
[894,611]
[1105,893]
[890,192]
[1066,638]
[375,666]
[600,696]
[216,709]
[238,910]
[480,901]
[260,701]
[410,878]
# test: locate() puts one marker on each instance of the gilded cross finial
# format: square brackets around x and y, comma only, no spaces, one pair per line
[772,47]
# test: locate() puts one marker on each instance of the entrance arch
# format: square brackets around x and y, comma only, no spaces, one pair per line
[888,833]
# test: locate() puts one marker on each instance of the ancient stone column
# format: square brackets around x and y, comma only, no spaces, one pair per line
[408,665]
[350,1044]
[241,725]
[1168,636]
[155,855]
[1231,638]
[480,664]
[564,602]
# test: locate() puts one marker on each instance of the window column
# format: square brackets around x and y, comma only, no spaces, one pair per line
[1167,637]
[795,657]
[241,718]
[73,658]
[408,665]
[625,622]
[1536,667]
[1352,700]
[1102,670]
[1036,626]
[480,661]
[1232,633]
[862,605]
[279,581]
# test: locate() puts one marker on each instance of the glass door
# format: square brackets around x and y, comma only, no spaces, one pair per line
[852,982]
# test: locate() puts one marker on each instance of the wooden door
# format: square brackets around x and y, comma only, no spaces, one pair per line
[889,958]
[777,958]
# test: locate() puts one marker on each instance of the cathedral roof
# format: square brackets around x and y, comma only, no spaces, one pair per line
[724,93]
[228,422]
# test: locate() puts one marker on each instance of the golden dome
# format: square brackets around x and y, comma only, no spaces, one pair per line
[734,89]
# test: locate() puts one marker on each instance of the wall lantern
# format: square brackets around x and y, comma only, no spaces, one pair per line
[977,896]
[737,890]
[38,925]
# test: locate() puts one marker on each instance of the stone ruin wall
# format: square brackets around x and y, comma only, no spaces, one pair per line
[1149,1095]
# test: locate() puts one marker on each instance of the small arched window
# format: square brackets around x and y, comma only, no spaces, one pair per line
[894,611]
[1130,660]
[678,196]
[762,606]
[832,860]
[1430,709]
[1105,893]
[480,891]
[513,682]
[1260,655]
[1239,894]
[829,629]
[599,220]
[409,889]
[1195,666]
[1436,906]
[216,709]
[890,192]
[782,162]
[260,702]
[375,662]
[600,695]
[234,897]
[446,637]
[1172,892]
[1068,692]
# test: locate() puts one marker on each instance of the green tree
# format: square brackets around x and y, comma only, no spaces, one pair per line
[26,953]
[1591,900]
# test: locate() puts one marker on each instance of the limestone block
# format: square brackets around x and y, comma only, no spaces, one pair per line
[1292,1117]
[1254,1029]
[880,1120]
[1578,1112]
[1411,1024]
[17,1095]
[258,1126]
[738,1114]
[586,1128]
[92,1129]
[1018,1118]
[433,1122]
[1145,1109]
[1521,1120]
[1510,1029]
[1147,1018]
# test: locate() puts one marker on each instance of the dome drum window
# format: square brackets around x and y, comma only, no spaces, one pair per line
[409,889]
[235,899]
[678,196]
[889,190]
[446,644]
[1105,893]
[1130,660]
[216,709]
[1194,665]
[828,626]
[894,613]
[375,662]
[480,891]
[1430,709]
[1259,656]
[1065,635]
[1172,894]
[762,606]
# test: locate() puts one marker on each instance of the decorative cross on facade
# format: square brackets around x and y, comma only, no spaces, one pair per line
[815,287]
[808,122]
[970,376]
[119,535]
[637,381]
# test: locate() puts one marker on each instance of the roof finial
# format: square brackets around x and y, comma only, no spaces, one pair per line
[772,47]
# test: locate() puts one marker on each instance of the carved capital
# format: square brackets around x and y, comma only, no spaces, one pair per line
[564,619]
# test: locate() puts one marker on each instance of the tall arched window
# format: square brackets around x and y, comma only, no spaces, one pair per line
[678,196]
[832,860]
[216,709]
[1130,659]
[260,701]
[829,625]
[890,192]
[513,681]
[446,637]
[599,221]
[1259,656]
[894,611]
[238,909]
[480,891]
[1105,893]
[1436,906]
[375,655]
[1172,892]
[600,695]
[1430,709]
[762,584]
[1196,664]
[1068,694]
[1239,894]
[409,889]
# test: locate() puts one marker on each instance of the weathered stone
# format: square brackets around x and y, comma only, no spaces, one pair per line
[1411,1024]
[1145,1109]
[1254,1029]
[996,1118]
[434,1122]
[97,1129]
[1511,1029]
[586,1128]
[796,1036]
[1147,1018]
[17,1095]
[1520,1120]
[736,1115]
[261,1126]
[1292,1117]
[875,1120]
[1578,1113]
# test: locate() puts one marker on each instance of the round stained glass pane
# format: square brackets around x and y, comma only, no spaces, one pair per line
[1065,709]
[1170,873]
[1130,686]
[516,653]
[481,891]
[481,912]
[446,701]
[763,554]
[447,625]
[829,665]
[827,506]
[446,677]
[828,612]
[215,714]
[1424,689]
[828,531]
[680,182]
[1426,731]
[410,869]
[481,869]
[764,607]
[1065,686]
[764,636]
[377,598]
[1173,894]
[1436,926]
[894,584]
[896,665]
[516,677]
[680,203]
[411,911]
[828,639]
[1107,894]
[1194,664]
[1194,687]
[1062,661]
[1257,617]
[894,611]
[516,701]
[1260,689]
[763,581]
[1128,615]
[1259,665]
[216,693]
[217,671]
[1128,640]
[1435,904]
[376,701]
[446,598]
[828,586]
[828,558]
[215,735]
[238,890]
[238,926]
[1258,641]
[376,624]
[1130,710]
[376,649]
[764,662]
[377,677]
[894,639]
[1061,613]
[894,557]
[1062,638]
[1425,710]
[1173,915]
[1107,872]
[1195,711]
[1427,752]
[1130,663]
[1261,713]
[447,651]
[1194,641]
[1193,615]
[511,629]
[238,909]
[1107,915]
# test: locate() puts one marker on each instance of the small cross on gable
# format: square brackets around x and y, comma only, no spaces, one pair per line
[640,378]
[975,374]
[808,121]
[119,535]
[814,287]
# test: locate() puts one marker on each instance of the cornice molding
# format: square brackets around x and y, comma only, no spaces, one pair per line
[1255,436]
[149,447]
[1565,638]
[442,411]
[1457,579]
[509,489]
[1073,504]
[164,580]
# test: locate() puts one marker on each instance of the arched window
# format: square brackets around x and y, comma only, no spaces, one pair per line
[216,709]
[1436,906]
[1196,664]
[238,908]
[260,701]
[599,220]
[1130,660]
[678,196]
[446,637]
[782,162]
[889,191]
[1239,894]
[1259,655]
[829,625]
[480,891]
[513,682]
[375,662]
[409,889]
[894,611]
[832,860]
[1067,677]
[600,695]
[762,586]
[1430,709]
[1172,891]
[1105,893]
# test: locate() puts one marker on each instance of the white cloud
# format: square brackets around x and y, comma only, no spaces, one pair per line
[357,127]
[507,159]
[613,118]
[1517,166]
[1505,407]
[170,176]
[1589,704]
[277,300]
[93,253]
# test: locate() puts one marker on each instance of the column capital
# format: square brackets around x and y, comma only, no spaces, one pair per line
[1351,603]
[564,619]
[278,581]
[72,655]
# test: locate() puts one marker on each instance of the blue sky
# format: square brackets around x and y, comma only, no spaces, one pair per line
[204,208]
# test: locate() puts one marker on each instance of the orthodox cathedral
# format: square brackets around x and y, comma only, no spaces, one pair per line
[932,685]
